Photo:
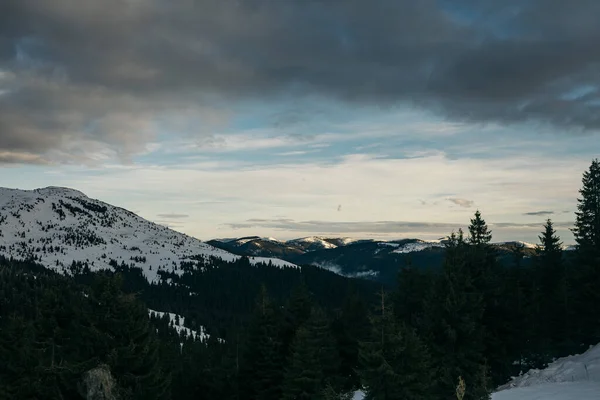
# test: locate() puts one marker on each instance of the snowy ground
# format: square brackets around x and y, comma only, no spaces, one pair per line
[569,378]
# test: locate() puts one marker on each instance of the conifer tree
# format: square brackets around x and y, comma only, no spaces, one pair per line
[314,362]
[587,236]
[132,351]
[412,289]
[549,250]
[262,371]
[351,327]
[454,324]
[479,234]
[554,312]
[395,363]
[587,225]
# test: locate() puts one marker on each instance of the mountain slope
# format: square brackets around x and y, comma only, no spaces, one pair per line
[257,246]
[58,226]
[573,377]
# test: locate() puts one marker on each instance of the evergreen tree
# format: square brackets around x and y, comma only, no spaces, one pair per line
[587,225]
[553,314]
[479,234]
[454,325]
[314,362]
[350,327]
[413,287]
[549,251]
[587,236]
[395,363]
[264,361]
[130,345]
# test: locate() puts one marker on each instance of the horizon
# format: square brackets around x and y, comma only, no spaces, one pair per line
[431,236]
[293,119]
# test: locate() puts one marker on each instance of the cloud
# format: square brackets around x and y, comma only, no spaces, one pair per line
[337,227]
[173,216]
[461,202]
[112,73]
[539,213]
[377,227]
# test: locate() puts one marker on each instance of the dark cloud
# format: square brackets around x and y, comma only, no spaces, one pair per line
[173,216]
[539,213]
[461,202]
[75,74]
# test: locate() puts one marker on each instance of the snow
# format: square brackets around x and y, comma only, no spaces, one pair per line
[181,328]
[419,245]
[358,395]
[553,391]
[519,242]
[572,377]
[62,225]
[313,240]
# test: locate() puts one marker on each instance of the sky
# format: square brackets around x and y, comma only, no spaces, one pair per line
[288,118]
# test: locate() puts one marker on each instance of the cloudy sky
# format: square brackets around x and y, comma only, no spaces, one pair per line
[287,118]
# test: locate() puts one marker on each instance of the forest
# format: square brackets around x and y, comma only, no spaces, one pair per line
[284,333]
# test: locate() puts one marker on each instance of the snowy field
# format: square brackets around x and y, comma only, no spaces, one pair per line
[569,378]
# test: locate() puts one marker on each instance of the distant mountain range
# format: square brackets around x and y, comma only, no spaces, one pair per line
[372,259]
[59,226]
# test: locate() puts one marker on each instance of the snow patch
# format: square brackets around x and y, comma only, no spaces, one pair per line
[572,377]
[419,245]
[177,322]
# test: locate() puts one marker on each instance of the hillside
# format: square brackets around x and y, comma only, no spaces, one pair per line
[573,377]
[58,226]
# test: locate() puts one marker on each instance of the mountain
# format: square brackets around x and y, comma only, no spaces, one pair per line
[59,226]
[257,246]
[377,260]
[271,247]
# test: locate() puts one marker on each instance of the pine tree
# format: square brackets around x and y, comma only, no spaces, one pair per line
[454,325]
[263,364]
[587,275]
[351,327]
[479,234]
[395,363]
[129,343]
[554,313]
[314,361]
[587,225]
[549,250]
[302,378]
[412,289]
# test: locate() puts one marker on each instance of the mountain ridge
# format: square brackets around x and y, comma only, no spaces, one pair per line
[59,227]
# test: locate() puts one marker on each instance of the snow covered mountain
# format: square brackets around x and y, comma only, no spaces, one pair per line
[313,243]
[257,246]
[58,226]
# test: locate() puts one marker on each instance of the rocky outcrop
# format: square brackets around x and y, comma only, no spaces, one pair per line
[98,384]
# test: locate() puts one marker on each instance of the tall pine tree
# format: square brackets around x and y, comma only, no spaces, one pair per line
[587,236]
[587,225]
[395,363]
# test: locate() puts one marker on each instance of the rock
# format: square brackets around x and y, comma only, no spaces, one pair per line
[98,384]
